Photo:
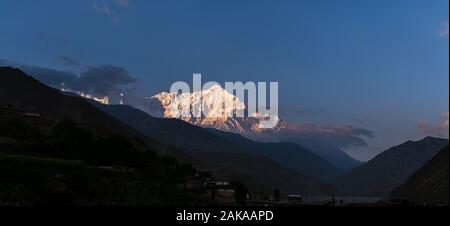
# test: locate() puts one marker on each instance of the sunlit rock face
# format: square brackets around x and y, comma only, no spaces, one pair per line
[218,109]
[102,100]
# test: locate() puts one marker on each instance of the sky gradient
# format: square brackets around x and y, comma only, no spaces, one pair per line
[380,65]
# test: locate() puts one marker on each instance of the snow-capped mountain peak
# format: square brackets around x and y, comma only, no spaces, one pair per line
[217,105]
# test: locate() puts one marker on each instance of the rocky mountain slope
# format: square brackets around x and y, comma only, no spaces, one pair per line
[390,169]
[429,185]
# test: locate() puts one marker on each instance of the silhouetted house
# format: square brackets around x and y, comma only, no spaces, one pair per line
[222,192]
[295,199]
[118,169]
[196,182]
[33,115]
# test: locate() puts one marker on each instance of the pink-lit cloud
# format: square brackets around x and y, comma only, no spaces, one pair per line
[439,130]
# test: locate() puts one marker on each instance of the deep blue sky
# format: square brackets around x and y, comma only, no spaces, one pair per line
[377,64]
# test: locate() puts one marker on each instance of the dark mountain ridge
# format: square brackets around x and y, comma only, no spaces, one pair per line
[429,185]
[196,140]
[21,91]
[325,150]
[390,169]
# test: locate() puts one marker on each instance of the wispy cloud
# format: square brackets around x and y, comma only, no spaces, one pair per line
[443,31]
[102,80]
[102,7]
[68,61]
[340,135]
[445,123]
[440,130]
[48,76]
[110,7]
[123,3]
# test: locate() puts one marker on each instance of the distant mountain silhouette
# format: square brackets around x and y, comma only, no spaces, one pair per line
[287,159]
[390,169]
[327,151]
[429,185]
[330,152]
[290,155]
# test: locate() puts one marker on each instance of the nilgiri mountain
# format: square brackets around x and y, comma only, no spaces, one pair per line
[391,168]
[212,102]
[429,185]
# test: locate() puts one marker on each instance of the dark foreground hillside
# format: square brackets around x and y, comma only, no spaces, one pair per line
[391,168]
[49,162]
[429,185]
